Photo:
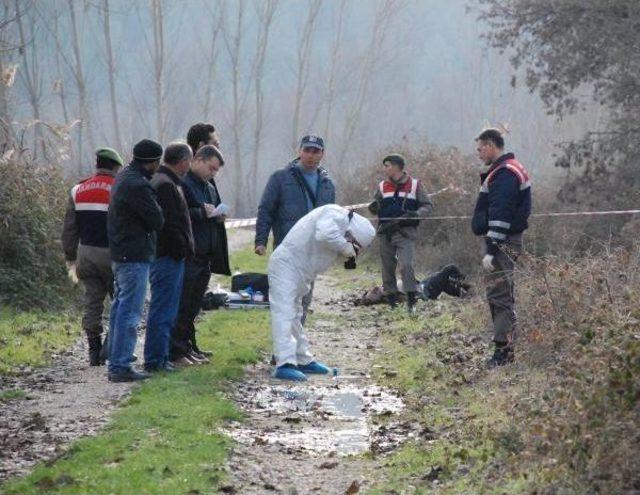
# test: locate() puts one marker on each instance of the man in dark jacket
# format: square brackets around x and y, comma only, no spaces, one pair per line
[290,194]
[207,213]
[86,245]
[501,216]
[175,244]
[134,218]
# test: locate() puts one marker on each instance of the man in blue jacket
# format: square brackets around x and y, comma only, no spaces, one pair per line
[133,221]
[290,194]
[501,216]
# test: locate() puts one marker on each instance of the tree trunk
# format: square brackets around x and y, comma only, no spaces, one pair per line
[111,68]
[266,15]
[303,64]
[158,65]
[81,83]
[335,57]
[29,74]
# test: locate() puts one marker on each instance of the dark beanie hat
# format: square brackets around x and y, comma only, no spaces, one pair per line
[396,158]
[147,151]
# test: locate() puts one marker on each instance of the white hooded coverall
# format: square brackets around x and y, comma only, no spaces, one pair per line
[310,248]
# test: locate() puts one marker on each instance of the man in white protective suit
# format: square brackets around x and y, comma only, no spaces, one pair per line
[315,242]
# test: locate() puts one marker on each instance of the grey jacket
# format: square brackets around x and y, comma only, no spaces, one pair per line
[284,202]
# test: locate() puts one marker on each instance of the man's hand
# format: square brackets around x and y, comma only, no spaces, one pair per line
[210,210]
[349,251]
[223,209]
[260,250]
[487,263]
[72,271]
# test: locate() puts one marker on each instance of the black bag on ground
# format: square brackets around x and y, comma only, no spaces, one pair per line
[449,280]
[213,300]
[257,281]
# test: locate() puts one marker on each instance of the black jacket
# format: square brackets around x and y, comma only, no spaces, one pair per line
[176,238]
[209,234]
[134,217]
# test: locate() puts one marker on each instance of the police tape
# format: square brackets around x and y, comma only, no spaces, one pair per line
[250,222]
[237,223]
[534,215]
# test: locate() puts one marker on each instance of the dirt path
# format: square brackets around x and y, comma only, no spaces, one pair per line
[63,402]
[307,438]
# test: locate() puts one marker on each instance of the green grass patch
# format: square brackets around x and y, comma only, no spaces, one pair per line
[365,276]
[165,439]
[29,338]
[245,260]
[15,394]
[463,446]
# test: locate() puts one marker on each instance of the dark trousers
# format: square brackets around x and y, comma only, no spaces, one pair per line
[196,280]
[94,271]
[501,290]
[398,248]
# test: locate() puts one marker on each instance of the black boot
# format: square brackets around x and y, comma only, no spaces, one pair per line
[95,346]
[392,300]
[411,303]
[502,355]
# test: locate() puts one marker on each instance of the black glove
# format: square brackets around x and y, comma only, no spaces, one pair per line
[350,264]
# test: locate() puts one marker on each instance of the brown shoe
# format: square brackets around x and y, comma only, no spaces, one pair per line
[198,359]
[202,355]
[183,362]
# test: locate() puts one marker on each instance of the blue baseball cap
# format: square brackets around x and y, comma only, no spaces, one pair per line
[312,142]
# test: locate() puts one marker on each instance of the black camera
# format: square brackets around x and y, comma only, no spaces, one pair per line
[350,264]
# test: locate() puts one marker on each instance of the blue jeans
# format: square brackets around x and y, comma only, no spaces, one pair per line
[130,287]
[166,285]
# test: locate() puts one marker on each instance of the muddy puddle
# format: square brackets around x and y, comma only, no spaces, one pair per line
[323,416]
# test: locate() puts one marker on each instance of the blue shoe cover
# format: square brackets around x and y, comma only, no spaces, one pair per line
[289,372]
[314,367]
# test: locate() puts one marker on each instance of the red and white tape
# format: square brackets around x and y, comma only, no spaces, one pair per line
[237,223]
[250,222]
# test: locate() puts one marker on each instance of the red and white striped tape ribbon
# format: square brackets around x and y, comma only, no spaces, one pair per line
[250,222]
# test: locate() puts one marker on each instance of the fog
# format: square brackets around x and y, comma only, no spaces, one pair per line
[367,75]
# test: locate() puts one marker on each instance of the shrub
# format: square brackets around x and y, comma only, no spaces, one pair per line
[32,204]
[580,332]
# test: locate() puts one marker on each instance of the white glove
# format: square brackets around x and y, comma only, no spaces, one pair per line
[72,272]
[487,263]
[349,251]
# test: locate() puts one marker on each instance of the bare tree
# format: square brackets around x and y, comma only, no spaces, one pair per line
[111,69]
[303,60]
[212,57]
[30,73]
[158,58]
[233,43]
[335,52]
[266,10]
[59,85]
[385,11]
[81,84]
[7,70]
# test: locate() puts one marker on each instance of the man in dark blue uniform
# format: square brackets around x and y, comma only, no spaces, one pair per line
[501,216]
